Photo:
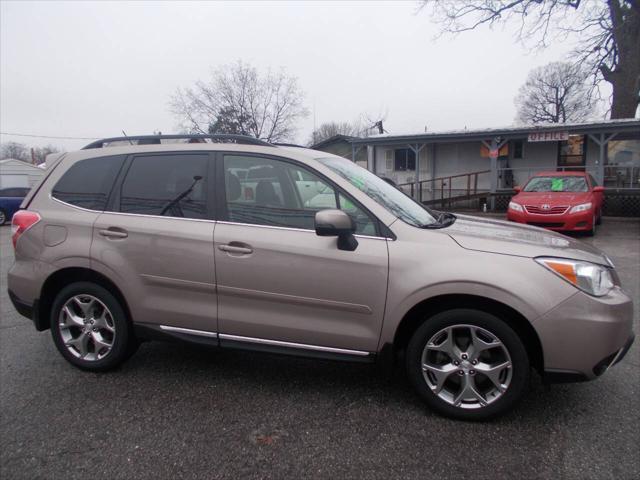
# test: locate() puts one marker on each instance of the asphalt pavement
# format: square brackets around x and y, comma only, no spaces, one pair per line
[175,411]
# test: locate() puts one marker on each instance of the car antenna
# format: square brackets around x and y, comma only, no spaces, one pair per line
[127,137]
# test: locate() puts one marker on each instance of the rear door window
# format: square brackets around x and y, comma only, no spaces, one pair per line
[88,183]
[172,185]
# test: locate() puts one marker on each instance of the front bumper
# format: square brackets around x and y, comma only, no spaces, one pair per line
[581,221]
[584,336]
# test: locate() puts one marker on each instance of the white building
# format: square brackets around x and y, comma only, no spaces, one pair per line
[462,166]
[16,173]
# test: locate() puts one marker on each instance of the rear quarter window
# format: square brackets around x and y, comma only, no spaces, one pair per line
[88,183]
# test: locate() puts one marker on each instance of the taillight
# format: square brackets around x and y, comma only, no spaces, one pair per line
[22,221]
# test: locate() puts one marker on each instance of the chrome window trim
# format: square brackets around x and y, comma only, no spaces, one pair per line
[202,333]
[132,214]
[304,346]
[292,229]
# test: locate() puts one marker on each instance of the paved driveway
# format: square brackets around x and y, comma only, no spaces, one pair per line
[174,411]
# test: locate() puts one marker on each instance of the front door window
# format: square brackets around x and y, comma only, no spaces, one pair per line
[265,191]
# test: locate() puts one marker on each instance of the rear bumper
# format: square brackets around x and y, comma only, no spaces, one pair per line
[25,309]
[582,221]
[29,310]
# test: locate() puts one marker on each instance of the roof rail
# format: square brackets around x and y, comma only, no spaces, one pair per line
[281,144]
[193,138]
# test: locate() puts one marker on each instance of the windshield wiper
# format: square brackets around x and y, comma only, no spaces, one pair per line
[175,201]
[443,220]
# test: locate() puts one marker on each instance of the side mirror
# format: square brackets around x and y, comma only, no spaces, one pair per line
[517,189]
[336,223]
[598,189]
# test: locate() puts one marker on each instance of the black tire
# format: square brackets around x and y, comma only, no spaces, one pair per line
[594,227]
[519,360]
[124,343]
[3,217]
[599,221]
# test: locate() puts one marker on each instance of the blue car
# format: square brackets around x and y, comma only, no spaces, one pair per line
[10,200]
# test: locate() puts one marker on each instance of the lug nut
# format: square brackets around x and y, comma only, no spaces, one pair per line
[95,329]
[456,363]
[460,372]
[472,372]
[474,362]
[464,356]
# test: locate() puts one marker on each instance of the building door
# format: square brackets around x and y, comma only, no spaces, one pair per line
[572,153]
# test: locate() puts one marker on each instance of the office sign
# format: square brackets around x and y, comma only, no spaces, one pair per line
[548,136]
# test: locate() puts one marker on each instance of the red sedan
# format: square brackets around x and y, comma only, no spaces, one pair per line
[558,201]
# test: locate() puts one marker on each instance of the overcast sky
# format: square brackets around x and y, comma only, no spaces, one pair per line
[83,69]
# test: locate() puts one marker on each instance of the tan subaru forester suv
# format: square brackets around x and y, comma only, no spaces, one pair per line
[236,243]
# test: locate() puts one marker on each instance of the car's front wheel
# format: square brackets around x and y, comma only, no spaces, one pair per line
[594,223]
[90,328]
[468,364]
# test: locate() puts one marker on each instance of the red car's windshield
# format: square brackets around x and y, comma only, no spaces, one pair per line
[557,184]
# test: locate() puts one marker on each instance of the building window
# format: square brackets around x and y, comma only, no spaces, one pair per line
[405,160]
[572,152]
[518,149]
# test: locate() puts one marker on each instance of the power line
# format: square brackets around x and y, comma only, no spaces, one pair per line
[48,136]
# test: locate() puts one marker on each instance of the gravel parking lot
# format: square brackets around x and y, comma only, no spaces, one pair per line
[174,411]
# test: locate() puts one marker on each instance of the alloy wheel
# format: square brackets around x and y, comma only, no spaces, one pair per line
[466,366]
[87,327]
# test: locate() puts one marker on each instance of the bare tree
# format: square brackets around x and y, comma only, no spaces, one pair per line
[14,150]
[608,34]
[331,129]
[554,93]
[40,153]
[238,99]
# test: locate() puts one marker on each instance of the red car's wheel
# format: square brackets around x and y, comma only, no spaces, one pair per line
[594,222]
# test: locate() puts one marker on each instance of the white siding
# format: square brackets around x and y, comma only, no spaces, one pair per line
[536,156]
[12,167]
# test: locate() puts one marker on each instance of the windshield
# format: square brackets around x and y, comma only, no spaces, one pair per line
[557,184]
[389,197]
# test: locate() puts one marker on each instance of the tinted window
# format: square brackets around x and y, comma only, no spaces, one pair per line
[282,194]
[88,183]
[168,185]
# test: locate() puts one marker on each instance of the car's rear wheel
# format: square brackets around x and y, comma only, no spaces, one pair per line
[468,364]
[90,328]
[3,217]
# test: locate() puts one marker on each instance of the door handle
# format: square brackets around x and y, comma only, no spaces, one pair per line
[238,248]
[113,233]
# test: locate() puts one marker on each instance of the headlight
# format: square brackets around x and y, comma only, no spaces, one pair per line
[581,208]
[516,207]
[594,279]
